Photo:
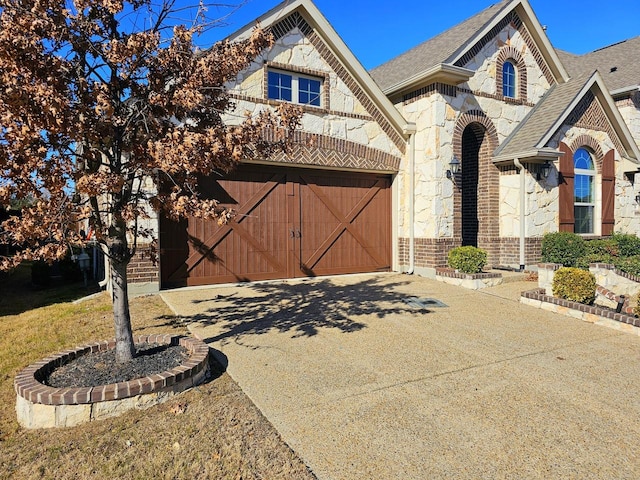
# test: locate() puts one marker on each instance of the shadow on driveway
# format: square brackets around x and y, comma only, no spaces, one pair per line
[299,308]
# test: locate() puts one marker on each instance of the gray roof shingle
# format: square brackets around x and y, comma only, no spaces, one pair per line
[619,64]
[434,51]
[528,134]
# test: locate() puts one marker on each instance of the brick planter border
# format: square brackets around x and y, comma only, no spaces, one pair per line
[450,273]
[473,281]
[537,297]
[41,406]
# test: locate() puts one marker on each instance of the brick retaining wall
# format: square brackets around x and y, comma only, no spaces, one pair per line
[41,406]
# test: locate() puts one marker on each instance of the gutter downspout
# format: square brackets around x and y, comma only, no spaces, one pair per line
[410,129]
[522,172]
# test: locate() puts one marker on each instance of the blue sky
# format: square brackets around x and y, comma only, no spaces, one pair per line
[377,31]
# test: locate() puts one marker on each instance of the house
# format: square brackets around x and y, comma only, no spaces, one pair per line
[484,135]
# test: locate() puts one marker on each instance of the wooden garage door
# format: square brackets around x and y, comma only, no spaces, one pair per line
[289,223]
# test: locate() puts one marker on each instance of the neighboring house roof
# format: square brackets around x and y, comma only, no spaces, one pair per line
[315,18]
[531,137]
[619,64]
[421,63]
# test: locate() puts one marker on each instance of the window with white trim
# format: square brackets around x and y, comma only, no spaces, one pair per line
[584,191]
[508,79]
[294,87]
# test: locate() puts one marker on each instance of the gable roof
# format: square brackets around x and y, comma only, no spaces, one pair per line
[319,23]
[526,138]
[434,51]
[619,64]
[443,51]
[531,137]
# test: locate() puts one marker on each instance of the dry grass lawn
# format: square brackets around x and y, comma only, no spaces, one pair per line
[220,435]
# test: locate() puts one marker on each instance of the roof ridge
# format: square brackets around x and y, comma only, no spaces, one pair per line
[609,46]
[455,26]
[462,22]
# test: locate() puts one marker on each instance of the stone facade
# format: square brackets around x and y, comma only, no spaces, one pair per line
[346,113]
[441,114]
[466,117]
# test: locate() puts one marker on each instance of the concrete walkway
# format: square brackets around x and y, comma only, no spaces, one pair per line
[363,385]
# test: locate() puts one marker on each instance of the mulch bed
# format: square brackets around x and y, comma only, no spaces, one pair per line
[100,368]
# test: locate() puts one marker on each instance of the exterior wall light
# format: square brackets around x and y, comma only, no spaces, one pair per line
[638,199]
[454,168]
[546,169]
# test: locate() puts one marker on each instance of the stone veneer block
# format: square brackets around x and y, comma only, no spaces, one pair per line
[72,415]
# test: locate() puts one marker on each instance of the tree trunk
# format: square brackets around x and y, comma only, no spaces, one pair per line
[125,348]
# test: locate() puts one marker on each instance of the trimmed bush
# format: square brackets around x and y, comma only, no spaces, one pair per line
[563,247]
[467,259]
[630,265]
[584,261]
[603,247]
[575,284]
[628,244]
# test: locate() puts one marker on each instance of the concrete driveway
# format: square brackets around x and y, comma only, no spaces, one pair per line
[363,385]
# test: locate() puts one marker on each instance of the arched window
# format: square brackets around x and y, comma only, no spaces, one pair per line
[584,191]
[508,79]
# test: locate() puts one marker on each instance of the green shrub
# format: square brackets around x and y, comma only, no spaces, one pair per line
[630,265]
[467,259]
[628,244]
[584,261]
[604,246]
[563,248]
[575,284]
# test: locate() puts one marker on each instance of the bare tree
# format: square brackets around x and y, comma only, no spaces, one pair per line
[97,97]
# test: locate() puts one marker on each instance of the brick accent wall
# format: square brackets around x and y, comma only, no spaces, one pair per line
[326,151]
[590,115]
[427,91]
[593,145]
[305,108]
[453,91]
[510,250]
[488,188]
[433,252]
[429,252]
[510,53]
[142,268]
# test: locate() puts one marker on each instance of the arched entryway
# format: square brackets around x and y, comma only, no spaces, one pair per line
[472,139]
[476,220]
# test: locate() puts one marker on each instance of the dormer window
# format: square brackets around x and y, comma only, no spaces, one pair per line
[294,87]
[508,79]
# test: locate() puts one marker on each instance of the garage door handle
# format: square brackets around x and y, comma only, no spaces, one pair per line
[298,234]
[292,234]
